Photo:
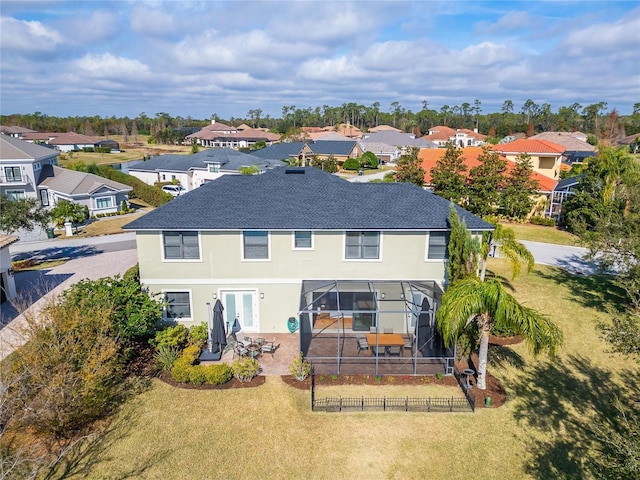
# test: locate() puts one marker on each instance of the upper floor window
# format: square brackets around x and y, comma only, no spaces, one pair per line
[255,245]
[302,239]
[13,174]
[181,245]
[362,245]
[214,167]
[37,166]
[438,248]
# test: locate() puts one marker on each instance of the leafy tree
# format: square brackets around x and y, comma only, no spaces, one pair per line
[503,239]
[485,181]
[463,248]
[519,189]
[486,303]
[132,312]
[351,164]
[24,213]
[410,168]
[328,164]
[369,160]
[66,211]
[249,170]
[448,176]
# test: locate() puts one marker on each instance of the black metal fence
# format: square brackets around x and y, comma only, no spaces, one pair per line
[406,404]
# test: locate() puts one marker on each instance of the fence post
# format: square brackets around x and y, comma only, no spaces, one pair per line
[362,403]
[313,389]
[384,403]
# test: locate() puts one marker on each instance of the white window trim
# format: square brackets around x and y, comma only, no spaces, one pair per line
[181,260]
[268,259]
[177,290]
[426,250]
[293,240]
[21,193]
[110,197]
[369,260]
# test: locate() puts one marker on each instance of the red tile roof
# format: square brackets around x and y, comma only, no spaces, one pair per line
[530,146]
[430,156]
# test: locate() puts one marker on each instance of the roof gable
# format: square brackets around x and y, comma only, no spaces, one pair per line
[15,149]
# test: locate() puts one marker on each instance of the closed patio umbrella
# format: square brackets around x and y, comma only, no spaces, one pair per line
[423,329]
[218,336]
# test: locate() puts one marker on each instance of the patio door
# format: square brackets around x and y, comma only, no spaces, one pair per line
[243,305]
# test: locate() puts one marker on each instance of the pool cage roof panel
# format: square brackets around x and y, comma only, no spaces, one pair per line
[375,295]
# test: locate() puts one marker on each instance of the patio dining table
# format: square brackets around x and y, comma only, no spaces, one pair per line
[253,349]
[385,340]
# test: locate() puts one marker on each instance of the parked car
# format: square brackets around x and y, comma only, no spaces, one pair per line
[174,190]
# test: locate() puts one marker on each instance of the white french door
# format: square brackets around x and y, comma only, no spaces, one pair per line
[243,305]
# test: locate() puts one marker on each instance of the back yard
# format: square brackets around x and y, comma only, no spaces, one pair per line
[543,431]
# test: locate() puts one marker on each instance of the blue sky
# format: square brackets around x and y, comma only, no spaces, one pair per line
[203,57]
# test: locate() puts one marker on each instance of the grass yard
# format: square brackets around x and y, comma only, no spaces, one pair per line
[543,431]
[539,233]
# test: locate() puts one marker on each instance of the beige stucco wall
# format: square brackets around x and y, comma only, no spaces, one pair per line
[278,279]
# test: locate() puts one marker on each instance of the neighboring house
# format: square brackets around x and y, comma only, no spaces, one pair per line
[98,194]
[298,242]
[385,153]
[576,149]
[384,128]
[65,142]
[191,171]
[560,193]
[108,143]
[302,152]
[30,171]
[226,136]
[15,131]
[470,154]
[403,141]
[546,156]
[22,165]
[7,282]
[462,137]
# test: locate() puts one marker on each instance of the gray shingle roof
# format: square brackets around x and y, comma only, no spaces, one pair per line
[230,160]
[398,139]
[15,149]
[332,147]
[71,182]
[286,199]
[280,151]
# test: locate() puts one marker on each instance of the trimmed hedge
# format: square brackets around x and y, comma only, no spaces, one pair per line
[150,194]
[184,370]
[351,164]
[547,222]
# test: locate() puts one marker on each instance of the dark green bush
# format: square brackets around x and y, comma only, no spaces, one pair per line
[547,222]
[150,194]
[88,149]
[369,160]
[351,164]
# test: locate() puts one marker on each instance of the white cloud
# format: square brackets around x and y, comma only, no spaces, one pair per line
[111,67]
[28,36]
[150,21]
[101,25]
[513,20]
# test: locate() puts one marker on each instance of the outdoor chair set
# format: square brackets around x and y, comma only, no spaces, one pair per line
[383,350]
[253,348]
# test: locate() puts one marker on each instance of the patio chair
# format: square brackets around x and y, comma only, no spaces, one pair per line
[372,329]
[378,350]
[362,344]
[269,347]
[247,340]
[394,350]
[408,342]
[388,329]
[239,350]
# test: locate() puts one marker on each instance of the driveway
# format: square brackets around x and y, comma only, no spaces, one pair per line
[563,256]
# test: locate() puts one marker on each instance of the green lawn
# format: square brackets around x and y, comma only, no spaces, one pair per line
[538,233]
[543,431]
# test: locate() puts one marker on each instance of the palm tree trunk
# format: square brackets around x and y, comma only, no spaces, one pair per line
[483,354]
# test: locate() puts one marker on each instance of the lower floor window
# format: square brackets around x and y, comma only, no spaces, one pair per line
[104,202]
[178,305]
[15,194]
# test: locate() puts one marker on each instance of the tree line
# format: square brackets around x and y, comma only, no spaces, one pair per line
[529,117]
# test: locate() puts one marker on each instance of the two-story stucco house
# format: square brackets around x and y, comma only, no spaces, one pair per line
[343,258]
[546,156]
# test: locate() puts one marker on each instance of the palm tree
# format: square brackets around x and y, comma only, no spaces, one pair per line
[504,239]
[487,303]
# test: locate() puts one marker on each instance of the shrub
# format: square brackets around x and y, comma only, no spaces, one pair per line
[351,164]
[198,335]
[300,368]
[244,369]
[503,331]
[548,222]
[181,371]
[175,336]
[198,374]
[133,273]
[218,374]
[166,356]
[369,160]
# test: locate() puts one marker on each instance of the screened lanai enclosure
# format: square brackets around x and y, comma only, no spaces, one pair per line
[372,327]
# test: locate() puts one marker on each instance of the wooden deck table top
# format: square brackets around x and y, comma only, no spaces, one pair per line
[385,340]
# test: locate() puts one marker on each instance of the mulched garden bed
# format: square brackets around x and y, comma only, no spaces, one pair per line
[233,383]
[328,380]
[501,341]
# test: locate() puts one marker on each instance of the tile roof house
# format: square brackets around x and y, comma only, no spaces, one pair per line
[14,130]
[192,171]
[546,156]
[30,171]
[226,136]
[461,137]
[384,128]
[470,154]
[65,142]
[397,139]
[299,242]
